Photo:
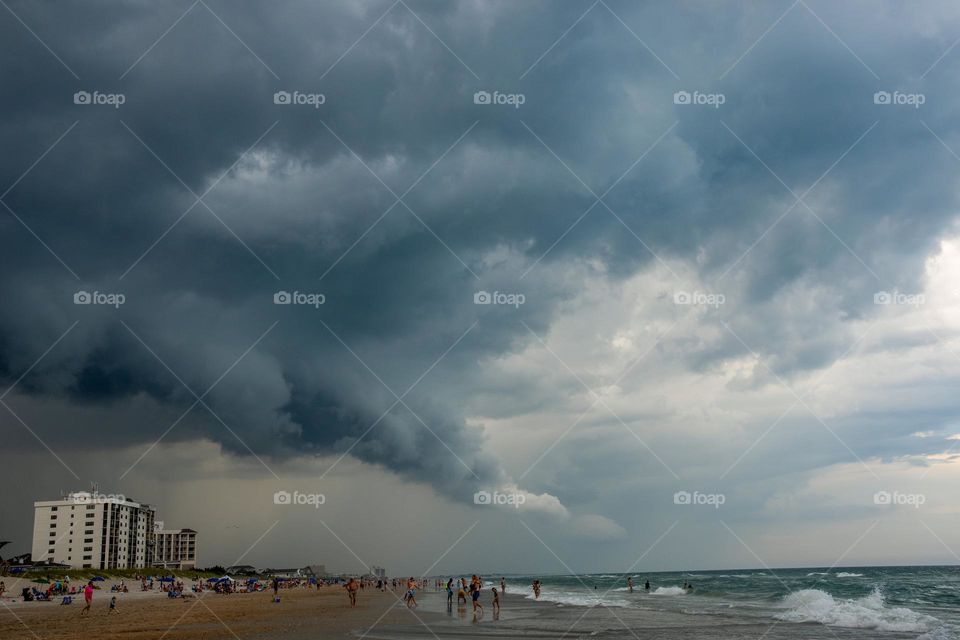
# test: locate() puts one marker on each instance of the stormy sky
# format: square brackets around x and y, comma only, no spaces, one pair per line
[678,283]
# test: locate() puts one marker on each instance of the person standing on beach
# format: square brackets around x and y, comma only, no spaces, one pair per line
[351,588]
[475,593]
[275,583]
[646,587]
[496,602]
[411,595]
[630,584]
[113,606]
[88,597]
[503,585]
[450,591]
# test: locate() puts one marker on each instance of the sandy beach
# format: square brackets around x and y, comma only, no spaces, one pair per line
[152,615]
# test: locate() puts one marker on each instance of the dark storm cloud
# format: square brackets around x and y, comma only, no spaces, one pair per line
[400,100]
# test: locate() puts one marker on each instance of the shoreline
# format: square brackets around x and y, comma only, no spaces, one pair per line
[308,613]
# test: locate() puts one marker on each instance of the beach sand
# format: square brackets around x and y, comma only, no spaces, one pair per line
[301,613]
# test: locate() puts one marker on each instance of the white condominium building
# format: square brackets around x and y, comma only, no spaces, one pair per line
[90,530]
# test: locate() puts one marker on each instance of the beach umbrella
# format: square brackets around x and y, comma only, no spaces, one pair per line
[166,579]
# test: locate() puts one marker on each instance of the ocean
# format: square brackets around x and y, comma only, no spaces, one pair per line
[889,603]
[920,600]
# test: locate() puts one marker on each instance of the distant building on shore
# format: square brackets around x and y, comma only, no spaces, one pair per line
[314,571]
[91,530]
[378,572]
[241,570]
[174,548]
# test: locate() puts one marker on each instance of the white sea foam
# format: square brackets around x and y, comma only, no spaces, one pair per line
[844,574]
[814,605]
[818,573]
[579,599]
[668,591]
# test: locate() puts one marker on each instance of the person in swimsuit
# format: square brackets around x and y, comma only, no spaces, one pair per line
[113,606]
[496,601]
[450,591]
[411,592]
[475,594]
[503,585]
[462,592]
[88,597]
[630,584]
[352,588]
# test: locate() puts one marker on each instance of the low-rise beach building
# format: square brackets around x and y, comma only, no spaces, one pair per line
[174,548]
